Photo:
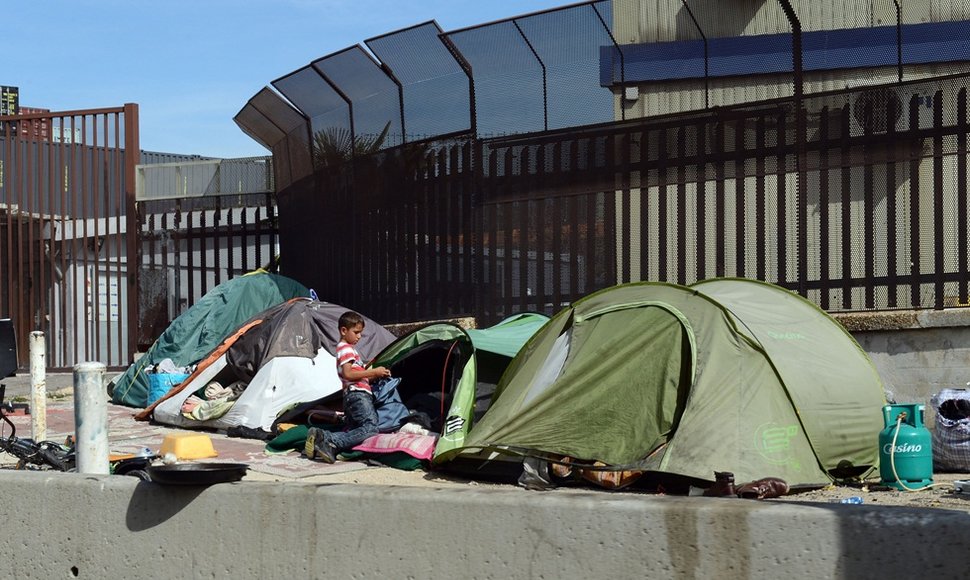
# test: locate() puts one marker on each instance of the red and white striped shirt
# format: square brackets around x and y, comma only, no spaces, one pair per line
[346,353]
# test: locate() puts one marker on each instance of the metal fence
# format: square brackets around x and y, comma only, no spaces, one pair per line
[523,163]
[592,62]
[63,242]
[99,252]
[869,212]
[200,223]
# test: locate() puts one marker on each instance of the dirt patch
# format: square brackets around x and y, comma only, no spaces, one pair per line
[942,494]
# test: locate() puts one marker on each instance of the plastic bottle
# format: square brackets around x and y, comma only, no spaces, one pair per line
[852,500]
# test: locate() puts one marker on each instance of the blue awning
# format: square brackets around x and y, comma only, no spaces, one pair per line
[935,42]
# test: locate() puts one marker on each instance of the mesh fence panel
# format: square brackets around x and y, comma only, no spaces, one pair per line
[374,97]
[329,114]
[256,125]
[568,43]
[290,144]
[625,140]
[436,90]
[508,79]
[277,111]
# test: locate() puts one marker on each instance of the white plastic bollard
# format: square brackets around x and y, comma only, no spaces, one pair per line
[38,386]
[91,418]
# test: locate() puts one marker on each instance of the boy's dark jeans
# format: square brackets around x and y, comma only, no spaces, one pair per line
[361,421]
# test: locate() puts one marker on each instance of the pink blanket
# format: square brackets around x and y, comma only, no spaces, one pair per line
[419,446]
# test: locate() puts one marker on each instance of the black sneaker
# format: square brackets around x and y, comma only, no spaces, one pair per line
[317,447]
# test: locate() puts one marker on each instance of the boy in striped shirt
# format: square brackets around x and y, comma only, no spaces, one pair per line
[359,412]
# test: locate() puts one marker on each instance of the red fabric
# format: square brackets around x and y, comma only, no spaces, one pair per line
[418,446]
[346,353]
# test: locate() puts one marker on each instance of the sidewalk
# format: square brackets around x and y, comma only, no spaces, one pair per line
[125,435]
[19,385]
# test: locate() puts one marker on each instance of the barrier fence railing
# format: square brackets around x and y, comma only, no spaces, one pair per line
[531,222]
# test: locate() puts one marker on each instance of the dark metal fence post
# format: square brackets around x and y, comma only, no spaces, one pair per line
[133,223]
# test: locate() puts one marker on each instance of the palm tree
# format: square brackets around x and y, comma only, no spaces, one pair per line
[334,146]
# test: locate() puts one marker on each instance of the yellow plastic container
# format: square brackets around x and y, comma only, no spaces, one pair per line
[188,446]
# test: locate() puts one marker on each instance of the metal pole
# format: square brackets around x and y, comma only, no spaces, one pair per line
[707,76]
[91,418]
[38,386]
[545,91]
[133,223]
[801,136]
[899,41]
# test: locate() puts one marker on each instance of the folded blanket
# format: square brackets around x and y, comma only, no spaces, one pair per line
[417,446]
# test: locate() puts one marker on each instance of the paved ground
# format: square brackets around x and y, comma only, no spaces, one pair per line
[20,385]
[129,436]
[125,435]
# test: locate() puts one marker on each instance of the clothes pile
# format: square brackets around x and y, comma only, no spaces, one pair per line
[212,401]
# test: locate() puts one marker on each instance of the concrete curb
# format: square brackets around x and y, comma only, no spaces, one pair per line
[73,525]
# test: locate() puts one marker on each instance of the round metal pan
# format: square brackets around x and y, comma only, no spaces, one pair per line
[197,473]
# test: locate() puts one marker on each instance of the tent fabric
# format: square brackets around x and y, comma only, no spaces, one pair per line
[201,328]
[437,366]
[508,336]
[816,359]
[449,373]
[286,354]
[726,375]
[644,393]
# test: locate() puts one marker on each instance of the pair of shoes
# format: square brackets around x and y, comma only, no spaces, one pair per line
[317,447]
[763,488]
[723,485]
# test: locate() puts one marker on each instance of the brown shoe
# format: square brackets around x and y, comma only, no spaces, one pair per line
[562,468]
[763,488]
[723,485]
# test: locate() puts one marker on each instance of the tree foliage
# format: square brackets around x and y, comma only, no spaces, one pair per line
[335,146]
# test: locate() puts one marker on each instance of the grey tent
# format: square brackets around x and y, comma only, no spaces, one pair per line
[284,356]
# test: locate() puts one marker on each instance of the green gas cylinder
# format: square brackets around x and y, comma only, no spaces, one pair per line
[912,454]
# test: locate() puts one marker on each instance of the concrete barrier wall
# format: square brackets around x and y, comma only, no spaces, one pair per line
[917,353]
[71,525]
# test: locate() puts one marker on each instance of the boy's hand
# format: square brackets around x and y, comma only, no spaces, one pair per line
[382,372]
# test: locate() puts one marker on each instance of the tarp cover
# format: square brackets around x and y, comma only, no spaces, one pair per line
[508,336]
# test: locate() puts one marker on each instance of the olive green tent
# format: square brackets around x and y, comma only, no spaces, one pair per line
[201,328]
[725,375]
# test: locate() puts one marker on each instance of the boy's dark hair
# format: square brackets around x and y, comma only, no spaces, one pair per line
[350,319]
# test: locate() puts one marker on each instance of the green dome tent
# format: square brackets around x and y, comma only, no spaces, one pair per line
[201,328]
[725,375]
[450,373]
